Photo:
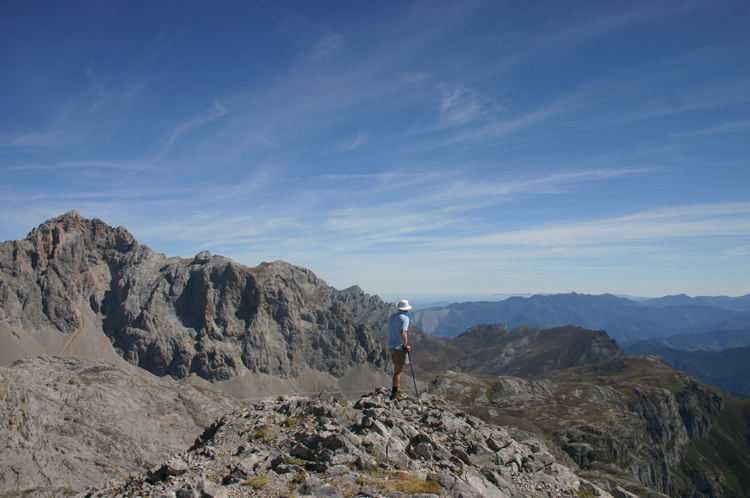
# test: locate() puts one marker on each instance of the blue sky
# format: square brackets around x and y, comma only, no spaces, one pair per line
[417,149]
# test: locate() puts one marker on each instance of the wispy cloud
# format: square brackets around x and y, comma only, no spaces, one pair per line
[29,167]
[34,139]
[326,47]
[215,113]
[351,143]
[461,105]
[411,77]
[737,251]
[103,164]
[732,127]
[707,220]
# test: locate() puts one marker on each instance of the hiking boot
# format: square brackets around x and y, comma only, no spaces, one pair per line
[397,395]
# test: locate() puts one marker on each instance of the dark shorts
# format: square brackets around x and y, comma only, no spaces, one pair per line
[398,356]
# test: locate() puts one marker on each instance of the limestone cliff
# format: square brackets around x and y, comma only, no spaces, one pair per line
[207,315]
[627,421]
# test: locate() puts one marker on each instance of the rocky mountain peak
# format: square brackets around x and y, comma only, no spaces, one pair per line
[208,315]
[71,235]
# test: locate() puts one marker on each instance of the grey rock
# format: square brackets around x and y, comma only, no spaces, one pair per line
[445,479]
[618,492]
[424,451]
[299,450]
[347,455]
[207,316]
[68,423]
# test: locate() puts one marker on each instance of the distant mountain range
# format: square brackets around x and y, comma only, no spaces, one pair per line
[720,358]
[623,319]
[486,349]
[741,303]
[715,340]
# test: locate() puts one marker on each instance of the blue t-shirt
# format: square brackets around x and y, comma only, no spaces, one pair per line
[396,323]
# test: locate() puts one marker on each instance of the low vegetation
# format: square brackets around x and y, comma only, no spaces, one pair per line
[256,482]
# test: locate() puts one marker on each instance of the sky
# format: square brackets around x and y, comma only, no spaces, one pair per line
[420,150]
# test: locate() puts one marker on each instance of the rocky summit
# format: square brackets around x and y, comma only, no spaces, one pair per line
[296,446]
[73,283]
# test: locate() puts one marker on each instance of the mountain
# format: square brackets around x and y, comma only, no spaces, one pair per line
[623,319]
[728,369]
[78,286]
[528,352]
[716,340]
[486,349]
[741,303]
[67,423]
[367,309]
[295,446]
[631,422]
[653,347]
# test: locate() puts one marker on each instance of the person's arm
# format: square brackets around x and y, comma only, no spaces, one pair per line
[403,341]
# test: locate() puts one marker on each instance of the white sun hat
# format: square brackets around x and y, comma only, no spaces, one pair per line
[403,305]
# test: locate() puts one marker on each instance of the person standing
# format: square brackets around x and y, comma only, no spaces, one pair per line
[398,346]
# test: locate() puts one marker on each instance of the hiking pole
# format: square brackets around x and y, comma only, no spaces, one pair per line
[412,375]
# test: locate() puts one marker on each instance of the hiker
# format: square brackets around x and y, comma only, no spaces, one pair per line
[398,323]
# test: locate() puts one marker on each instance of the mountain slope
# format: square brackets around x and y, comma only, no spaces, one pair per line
[741,303]
[630,421]
[206,318]
[486,349]
[728,369]
[294,446]
[716,340]
[68,423]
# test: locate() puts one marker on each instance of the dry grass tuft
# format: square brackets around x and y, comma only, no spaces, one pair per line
[405,482]
[290,421]
[256,482]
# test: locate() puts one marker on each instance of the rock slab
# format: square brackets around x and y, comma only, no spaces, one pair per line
[67,423]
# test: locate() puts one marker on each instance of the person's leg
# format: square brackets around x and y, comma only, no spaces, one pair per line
[399,357]
[397,375]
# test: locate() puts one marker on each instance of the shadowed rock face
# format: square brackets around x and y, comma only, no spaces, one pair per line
[171,316]
[68,423]
[627,421]
[367,309]
[289,446]
[528,352]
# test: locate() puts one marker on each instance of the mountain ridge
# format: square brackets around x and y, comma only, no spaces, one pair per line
[715,340]
[206,318]
[489,349]
[629,421]
[624,320]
